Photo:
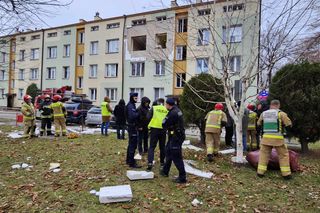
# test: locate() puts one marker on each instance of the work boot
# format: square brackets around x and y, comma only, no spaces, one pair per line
[49,133]
[41,133]
[288,177]
[260,175]
[180,180]
[163,174]
[149,168]
[210,157]
[135,166]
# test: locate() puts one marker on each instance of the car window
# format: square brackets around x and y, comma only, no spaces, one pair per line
[70,106]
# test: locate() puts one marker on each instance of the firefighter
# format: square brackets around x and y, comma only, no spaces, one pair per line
[273,121]
[59,116]
[46,116]
[215,119]
[29,118]
[251,129]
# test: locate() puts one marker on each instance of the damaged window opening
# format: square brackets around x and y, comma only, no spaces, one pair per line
[139,43]
[161,40]
[204,12]
[138,22]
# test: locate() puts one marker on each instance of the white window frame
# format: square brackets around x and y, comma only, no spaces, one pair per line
[34,74]
[34,54]
[81,37]
[158,92]
[95,28]
[111,70]
[51,73]
[93,94]
[80,82]
[112,46]
[3,57]
[112,93]
[235,63]
[67,32]
[21,74]
[203,36]
[179,52]
[80,59]
[94,45]
[66,72]
[202,65]
[93,70]
[2,75]
[52,52]
[20,93]
[113,25]
[181,24]
[140,92]
[179,80]
[137,69]
[204,12]
[54,34]
[66,50]
[2,92]
[22,55]
[232,34]
[160,68]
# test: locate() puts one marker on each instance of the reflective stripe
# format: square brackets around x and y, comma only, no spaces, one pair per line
[171,132]
[211,123]
[273,136]
[285,169]
[251,126]
[210,149]
[214,126]
[58,115]
[262,167]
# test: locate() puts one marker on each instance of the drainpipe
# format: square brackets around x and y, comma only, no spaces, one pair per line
[42,59]
[259,48]
[123,56]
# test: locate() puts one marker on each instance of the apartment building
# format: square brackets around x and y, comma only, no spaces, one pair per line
[153,53]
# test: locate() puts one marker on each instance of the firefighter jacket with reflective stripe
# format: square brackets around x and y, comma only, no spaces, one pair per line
[213,121]
[273,122]
[27,111]
[46,111]
[252,120]
[58,109]
[105,109]
[159,113]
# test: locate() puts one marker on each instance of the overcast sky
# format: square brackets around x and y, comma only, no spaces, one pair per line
[86,9]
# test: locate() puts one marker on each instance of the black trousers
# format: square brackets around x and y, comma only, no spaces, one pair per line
[155,136]
[45,123]
[229,135]
[143,139]
[174,153]
[132,145]
[120,128]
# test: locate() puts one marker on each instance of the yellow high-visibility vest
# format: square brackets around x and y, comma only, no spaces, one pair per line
[159,113]
[104,109]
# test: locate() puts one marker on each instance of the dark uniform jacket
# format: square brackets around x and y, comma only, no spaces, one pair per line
[131,114]
[174,124]
[46,111]
[143,113]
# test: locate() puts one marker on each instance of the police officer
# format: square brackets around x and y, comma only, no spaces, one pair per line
[273,121]
[215,119]
[28,112]
[251,129]
[176,135]
[46,116]
[157,113]
[59,116]
[132,118]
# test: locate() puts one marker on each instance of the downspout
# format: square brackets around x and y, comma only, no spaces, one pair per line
[123,56]
[259,49]
[42,59]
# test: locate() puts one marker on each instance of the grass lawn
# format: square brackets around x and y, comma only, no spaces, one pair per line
[94,161]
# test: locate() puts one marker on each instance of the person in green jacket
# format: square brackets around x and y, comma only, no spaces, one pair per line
[106,111]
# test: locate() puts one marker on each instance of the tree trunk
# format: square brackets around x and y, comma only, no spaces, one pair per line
[239,146]
[304,146]
[202,133]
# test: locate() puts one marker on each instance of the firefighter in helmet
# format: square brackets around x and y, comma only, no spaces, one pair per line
[29,118]
[215,119]
[46,116]
[251,129]
[59,116]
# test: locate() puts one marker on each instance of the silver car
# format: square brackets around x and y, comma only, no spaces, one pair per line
[94,117]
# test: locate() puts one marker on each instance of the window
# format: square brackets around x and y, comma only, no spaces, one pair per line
[161,40]
[232,34]
[234,63]
[51,73]
[93,70]
[237,90]
[34,73]
[20,94]
[66,50]
[137,69]
[80,60]
[34,54]
[112,46]
[3,57]
[139,43]
[52,52]
[203,37]
[180,79]
[111,70]
[2,75]
[111,93]
[13,64]
[93,48]
[160,68]
[182,25]
[66,72]
[34,37]
[21,74]
[234,7]
[14,46]
[158,93]
[2,92]
[80,81]
[22,38]
[113,25]
[81,37]
[52,34]
[67,32]
[204,12]
[138,22]
[181,53]
[13,84]
[93,94]
[202,65]
[161,18]
[140,92]
[94,28]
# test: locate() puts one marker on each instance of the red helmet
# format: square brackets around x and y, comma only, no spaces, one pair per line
[250,107]
[46,96]
[218,106]
[56,97]
[27,97]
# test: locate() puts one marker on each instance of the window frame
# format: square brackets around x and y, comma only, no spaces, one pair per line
[160,68]
[108,73]
[52,54]
[180,80]
[135,66]
[108,92]
[66,70]
[53,73]
[95,94]
[93,73]
[117,49]
[34,70]
[94,47]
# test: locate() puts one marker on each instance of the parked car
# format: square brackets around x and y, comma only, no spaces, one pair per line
[77,110]
[94,118]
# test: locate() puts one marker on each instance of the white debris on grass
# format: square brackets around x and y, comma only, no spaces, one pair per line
[139,175]
[56,170]
[112,194]
[15,134]
[187,145]
[234,160]
[227,151]
[137,157]
[21,166]
[196,202]
[191,170]
[54,167]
